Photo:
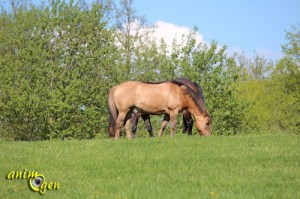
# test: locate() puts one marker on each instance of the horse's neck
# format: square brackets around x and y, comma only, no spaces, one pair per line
[192,106]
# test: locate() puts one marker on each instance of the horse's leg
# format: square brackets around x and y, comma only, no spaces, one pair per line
[127,129]
[188,122]
[119,123]
[190,126]
[134,121]
[146,119]
[164,124]
[127,124]
[173,116]
[185,125]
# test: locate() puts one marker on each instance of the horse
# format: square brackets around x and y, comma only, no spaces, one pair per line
[187,117]
[169,98]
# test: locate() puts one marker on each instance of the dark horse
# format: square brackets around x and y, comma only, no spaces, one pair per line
[167,98]
[187,117]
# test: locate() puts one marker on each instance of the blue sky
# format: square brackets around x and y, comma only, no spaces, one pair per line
[241,25]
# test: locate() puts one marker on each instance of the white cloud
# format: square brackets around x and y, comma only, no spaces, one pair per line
[169,31]
[162,30]
[166,31]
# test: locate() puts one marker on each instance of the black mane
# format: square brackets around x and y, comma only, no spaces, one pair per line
[200,92]
[154,82]
[198,100]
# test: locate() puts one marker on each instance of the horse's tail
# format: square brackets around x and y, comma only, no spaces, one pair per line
[113,113]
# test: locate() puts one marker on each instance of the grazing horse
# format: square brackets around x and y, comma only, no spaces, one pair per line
[187,117]
[167,98]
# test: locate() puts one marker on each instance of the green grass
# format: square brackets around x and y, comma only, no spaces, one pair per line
[246,166]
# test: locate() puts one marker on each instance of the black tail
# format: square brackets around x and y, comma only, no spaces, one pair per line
[113,113]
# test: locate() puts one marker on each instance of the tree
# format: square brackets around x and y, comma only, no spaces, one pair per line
[257,67]
[54,76]
[272,101]
[292,48]
[286,78]
[217,73]
[132,35]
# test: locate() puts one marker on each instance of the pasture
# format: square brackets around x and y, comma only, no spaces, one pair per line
[244,166]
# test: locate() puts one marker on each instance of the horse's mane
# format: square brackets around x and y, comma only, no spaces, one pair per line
[194,96]
[200,92]
[191,84]
[153,82]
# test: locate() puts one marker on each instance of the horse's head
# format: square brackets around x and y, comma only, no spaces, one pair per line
[195,105]
[203,124]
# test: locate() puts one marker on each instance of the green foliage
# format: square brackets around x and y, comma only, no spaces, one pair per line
[256,95]
[59,60]
[217,74]
[273,102]
[205,64]
[54,76]
[286,85]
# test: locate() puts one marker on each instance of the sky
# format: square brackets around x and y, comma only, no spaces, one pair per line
[243,26]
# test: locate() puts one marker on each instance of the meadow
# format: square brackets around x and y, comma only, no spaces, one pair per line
[243,166]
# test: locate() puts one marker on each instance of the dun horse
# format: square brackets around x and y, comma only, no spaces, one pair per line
[167,98]
[186,116]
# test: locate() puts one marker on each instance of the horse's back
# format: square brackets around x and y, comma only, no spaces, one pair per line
[147,96]
[125,93]
[145,89]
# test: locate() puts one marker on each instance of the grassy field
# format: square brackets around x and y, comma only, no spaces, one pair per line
[246,166]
